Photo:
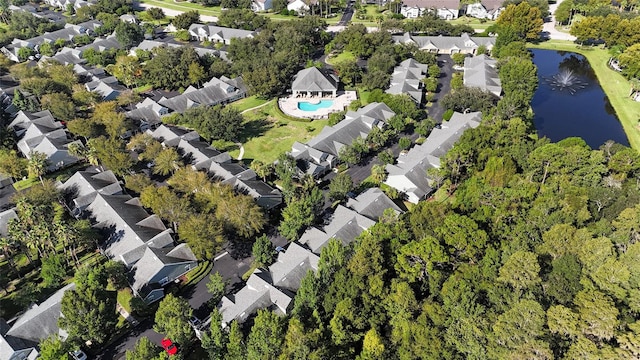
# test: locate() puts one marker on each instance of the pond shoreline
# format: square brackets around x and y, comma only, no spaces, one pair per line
[614,85]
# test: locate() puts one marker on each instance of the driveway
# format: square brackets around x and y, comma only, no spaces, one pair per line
[444,86]
[117,350]
[347,15]
[549,30]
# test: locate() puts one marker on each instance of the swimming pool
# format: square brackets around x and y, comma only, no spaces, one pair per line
[309,106]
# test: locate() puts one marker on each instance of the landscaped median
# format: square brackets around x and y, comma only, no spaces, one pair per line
[613,83]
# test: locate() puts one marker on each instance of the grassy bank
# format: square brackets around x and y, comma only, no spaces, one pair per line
[613,83]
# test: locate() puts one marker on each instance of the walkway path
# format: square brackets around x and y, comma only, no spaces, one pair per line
[241,154]
[256,107]
[125,314]
[550,26]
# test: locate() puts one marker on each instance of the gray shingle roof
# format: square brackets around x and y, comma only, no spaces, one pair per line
[215,91]
[84,185]
[41,320]
[481,72]
[213,32]
[406,79]
[257,294]
[292,265]
[5,217]
[155,260]
[372,203]
[409,175]
[463,43]
[356,124]
[312,79]
[345,225]
[129,228]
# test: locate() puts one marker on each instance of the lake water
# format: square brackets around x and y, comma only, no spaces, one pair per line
[559,114]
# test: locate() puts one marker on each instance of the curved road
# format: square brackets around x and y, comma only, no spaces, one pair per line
[549,26]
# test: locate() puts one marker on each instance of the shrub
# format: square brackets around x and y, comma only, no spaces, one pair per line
[404,143]
[457,81]
[447,115]
[458,58]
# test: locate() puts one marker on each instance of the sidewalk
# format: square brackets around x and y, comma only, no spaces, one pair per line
[125,314]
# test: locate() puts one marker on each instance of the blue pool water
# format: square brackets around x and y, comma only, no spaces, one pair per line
[307,106]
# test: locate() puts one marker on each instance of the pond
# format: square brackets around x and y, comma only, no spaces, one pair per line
[570,102]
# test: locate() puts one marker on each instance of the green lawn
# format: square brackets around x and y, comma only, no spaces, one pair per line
[124,299]
[248,103]
[268,134]
[345,55]
[473,22]
[144,16]
[613,83]
[185,6]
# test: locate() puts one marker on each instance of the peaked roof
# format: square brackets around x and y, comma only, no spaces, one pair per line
[372,203]
[312,79]
[292,265]
[84,185]
[5,217]
[154,260]
[462,42]
[433,4]
[345,225]
[223,32]
[481,72]
[257,294]
[41,320]
[129,227]
[214,92]
[414,165]
[356,124]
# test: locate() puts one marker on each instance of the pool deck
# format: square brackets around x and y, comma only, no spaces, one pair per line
[289,105]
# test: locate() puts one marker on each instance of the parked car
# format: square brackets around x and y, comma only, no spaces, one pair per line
[169,346]
[194,321]
[78,355]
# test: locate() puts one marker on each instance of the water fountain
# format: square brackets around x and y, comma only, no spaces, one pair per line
[565,80]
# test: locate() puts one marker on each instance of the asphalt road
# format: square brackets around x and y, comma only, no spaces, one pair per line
[444,86]
[347,15]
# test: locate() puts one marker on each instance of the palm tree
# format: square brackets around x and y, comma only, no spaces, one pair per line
[378,173]
[7,247]
[167,161]
[78,150]
[262,170]
[38,163]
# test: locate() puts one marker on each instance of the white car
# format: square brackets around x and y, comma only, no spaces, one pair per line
[78,355]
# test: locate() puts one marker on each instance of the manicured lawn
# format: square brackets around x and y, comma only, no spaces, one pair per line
[363,95]
[473,22]
[248,103]
[144,16]
[613,83]
[184,6]
[124,299]
[345,55]
[267,134]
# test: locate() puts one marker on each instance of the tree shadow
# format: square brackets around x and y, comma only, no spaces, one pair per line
[254,128]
